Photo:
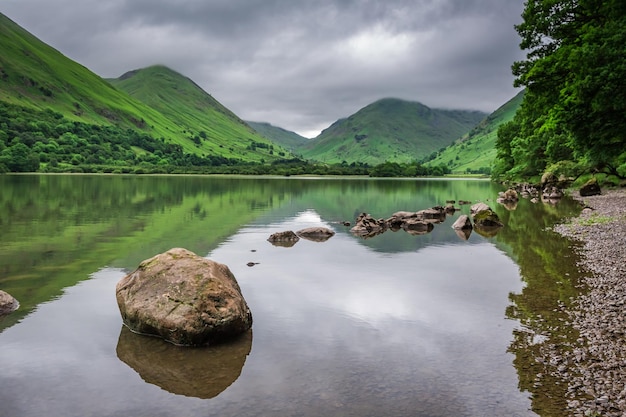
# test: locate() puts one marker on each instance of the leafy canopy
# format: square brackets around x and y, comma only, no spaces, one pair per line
[575,75]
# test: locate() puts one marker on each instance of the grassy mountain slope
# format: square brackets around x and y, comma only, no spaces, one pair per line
[390,130]
[476,150]
[36,76]
[286,138]
[212,127]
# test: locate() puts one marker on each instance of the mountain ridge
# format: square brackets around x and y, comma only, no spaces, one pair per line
[36,76]
[390,129]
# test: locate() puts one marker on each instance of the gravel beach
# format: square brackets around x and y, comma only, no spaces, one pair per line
[595,368]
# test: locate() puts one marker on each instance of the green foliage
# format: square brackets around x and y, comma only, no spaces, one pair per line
[412,169]
[575,102]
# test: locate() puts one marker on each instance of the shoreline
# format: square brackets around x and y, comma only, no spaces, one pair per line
[595,369]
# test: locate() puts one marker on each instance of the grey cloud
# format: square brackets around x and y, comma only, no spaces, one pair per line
[296,64]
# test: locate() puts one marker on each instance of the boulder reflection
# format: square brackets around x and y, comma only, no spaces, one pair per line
[193,372]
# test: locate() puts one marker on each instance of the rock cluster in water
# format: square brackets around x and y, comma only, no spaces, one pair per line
[421,222]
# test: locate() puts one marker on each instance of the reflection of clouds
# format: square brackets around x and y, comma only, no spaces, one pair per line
[338,329]
[435,314]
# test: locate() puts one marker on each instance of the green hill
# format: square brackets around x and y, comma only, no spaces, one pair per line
[286,138]
[42,86]
[390,130]
[207,123]
[476,150]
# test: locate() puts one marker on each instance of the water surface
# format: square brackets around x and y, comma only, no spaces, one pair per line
[397,324]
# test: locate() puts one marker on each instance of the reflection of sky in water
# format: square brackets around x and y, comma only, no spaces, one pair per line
[338,329]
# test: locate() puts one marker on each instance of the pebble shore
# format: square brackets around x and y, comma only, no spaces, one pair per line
[595,367]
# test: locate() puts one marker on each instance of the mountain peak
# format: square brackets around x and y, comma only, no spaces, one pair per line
[390,129]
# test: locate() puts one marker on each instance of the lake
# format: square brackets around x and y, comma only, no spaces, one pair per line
[396,324]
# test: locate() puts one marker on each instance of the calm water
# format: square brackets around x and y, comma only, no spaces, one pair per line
[395,325]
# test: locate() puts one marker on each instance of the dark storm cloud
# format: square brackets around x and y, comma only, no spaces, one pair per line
[298,64]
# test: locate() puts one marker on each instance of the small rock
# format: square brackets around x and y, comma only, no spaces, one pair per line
[8,304]
[316,234]
[462,223]
[590,188]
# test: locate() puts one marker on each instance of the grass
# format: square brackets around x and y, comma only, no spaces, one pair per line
[594,219]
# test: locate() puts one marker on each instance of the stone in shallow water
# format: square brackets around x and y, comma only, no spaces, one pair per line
[183,298]
[8,304]
[316,234]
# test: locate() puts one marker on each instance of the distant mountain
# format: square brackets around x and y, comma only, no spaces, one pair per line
[286,138]
[390,130]
[212,127]
[476,150]
[165,105]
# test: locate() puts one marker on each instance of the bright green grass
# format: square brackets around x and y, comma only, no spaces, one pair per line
[37,76]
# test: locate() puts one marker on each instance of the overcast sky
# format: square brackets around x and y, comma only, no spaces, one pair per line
[298,64]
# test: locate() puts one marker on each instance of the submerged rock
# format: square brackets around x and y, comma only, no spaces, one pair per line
[8,304]
[484,216]
[416,226]
[316,234]
[183,298]
[435,214]
[415,222]
[367,226]
[285,239]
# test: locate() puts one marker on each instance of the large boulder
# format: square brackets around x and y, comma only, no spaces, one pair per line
[183,298]
[590,188]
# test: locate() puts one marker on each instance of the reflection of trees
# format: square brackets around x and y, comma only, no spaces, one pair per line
[548,266]
[58,229]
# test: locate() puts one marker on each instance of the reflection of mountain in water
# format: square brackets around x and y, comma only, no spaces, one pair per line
[192,372]
[338,201]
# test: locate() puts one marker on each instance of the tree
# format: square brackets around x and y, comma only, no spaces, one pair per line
[19,158]
[575,79]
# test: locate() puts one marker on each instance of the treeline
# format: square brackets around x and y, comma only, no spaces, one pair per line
[33,140]
[573,116]
[46,141]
